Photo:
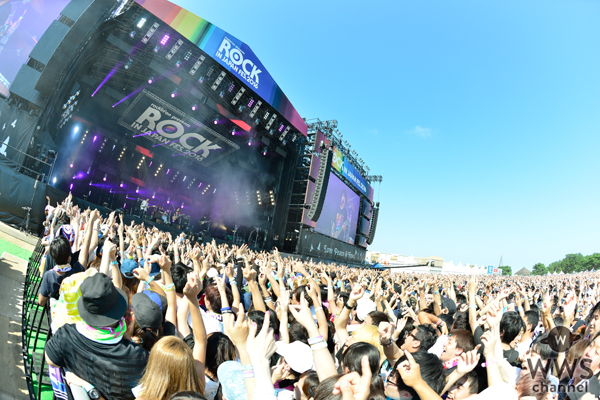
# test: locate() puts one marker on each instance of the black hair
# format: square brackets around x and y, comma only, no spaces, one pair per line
[533,318]
[179,274]
[432,372]
[352,360]
[461,299]
[259,318]
[219,348]
[544,350]
[447,318]
[299,291]
[511,325]
[558,320]
[60,250]
[427,335]
[473,380]
[461,321]
[378,317]
[298,333]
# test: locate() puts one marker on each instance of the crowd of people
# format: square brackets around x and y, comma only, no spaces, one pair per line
[137,313]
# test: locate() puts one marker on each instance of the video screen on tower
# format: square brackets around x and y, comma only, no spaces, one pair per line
[340,212]
[22,23]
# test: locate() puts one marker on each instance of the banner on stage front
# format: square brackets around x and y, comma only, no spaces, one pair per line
[151,118]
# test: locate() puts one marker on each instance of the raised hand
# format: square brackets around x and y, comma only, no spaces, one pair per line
[192,287]
[238,331]
[468,361]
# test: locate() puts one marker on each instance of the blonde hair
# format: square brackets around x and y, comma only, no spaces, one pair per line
[171,368]
[370,334]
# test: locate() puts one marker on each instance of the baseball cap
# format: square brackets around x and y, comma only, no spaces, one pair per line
[148,309]
[297,355]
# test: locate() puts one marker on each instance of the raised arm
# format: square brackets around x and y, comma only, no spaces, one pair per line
[191,291]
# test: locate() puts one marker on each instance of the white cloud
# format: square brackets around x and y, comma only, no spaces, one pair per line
[420,131]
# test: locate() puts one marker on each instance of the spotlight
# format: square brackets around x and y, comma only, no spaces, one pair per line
[257,121]
[265,151]
[178,63]
[168,170]
[156,49]
[129,62]
[89,169]
[104,179]
[150,80]
[71,165]
[201,79]
[182,205]
[233,132]
[141,23]
[76,129]
[164,40]
[153,194]
[71,187]
[250,142]
[194,107]
[216,121]
[184,178]
[137,190]
[222,94]
[121,185]
[132,34]
[54,180]
[168,200]
[174,93]
[95,137]
[271,131]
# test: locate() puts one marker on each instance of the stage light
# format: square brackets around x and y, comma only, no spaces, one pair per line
[221,94]
[271,131]
[71,187]
[174,93]
[90,184]
[137,190]
[250,142]
[76,130]
[71,165]
[95,137]
[168,200]
[164,40]
[201,79]
[132,34]
[150,80]
[257,121]
[200,184]
[233,132]
[124,205]
[149,165]
[265,150]
[168,170]
[240,109]
[216,121]
[89,169]
[129,63]
[141,23]
[153,194]
[104,179]
[182,205]
[121,185]
[156,49]
[54,180]
[284,141]
[184,178]
[187,55]
[178,63]
[194,107]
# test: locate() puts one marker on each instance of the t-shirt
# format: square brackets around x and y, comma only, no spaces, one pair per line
[52,280]
[210,388]
[114,369]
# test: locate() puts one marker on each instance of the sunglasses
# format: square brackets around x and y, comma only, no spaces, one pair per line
[389,382]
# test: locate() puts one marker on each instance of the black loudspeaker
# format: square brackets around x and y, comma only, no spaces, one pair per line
[322,181]
[373,224]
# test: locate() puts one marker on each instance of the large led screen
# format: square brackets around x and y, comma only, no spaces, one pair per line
[340,211]
[22,23]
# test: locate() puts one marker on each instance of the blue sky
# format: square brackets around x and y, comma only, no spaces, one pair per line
[481,116]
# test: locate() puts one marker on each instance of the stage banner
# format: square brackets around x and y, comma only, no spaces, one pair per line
[316,245]
[347,170]
[233,54]
[151,118]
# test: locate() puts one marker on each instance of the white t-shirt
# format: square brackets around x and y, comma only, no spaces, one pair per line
[210,388]
[212,322]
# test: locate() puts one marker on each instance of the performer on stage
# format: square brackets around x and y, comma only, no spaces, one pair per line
[144,206]
[176,216]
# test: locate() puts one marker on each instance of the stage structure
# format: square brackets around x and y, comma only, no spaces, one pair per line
[332,213]
[144,100]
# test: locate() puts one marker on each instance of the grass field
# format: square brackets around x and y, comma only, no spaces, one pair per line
[14,250]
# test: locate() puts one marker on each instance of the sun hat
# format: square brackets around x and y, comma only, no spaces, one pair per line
[101,304]
[297,355]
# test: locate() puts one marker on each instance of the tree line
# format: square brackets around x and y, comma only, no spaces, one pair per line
[571,263]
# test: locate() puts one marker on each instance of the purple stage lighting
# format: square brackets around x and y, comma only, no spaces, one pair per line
[168,170]
[173,94]
[104,179]
[121,185]
[110,74]
[71,187]
[181,205]
[250,142]
[124,205]
[150,164]
[137,190]
[71,165]
[200,184]
[265,151]
[153,194]
[150,80]
[194,107]
[164,40]
[168,200]
[95,137]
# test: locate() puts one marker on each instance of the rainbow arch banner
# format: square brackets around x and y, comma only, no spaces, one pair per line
[233,54]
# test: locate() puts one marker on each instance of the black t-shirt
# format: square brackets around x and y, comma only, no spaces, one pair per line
[51,281]
[114,369]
